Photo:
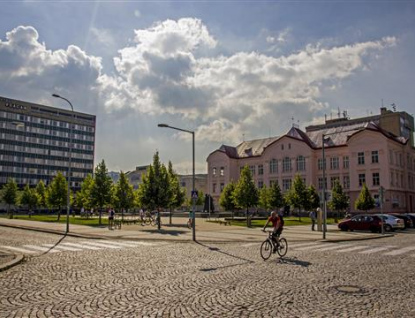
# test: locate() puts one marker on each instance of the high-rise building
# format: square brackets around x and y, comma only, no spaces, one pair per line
[35,143]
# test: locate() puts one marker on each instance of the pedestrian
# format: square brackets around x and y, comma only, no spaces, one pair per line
[111,214]
[142,216]
[313,217]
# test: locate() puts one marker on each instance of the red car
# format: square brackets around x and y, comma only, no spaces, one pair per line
[362,222]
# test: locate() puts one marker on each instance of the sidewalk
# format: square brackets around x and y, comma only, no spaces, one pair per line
[178,232]
[205,232]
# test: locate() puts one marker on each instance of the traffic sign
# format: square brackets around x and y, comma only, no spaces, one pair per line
[194,194]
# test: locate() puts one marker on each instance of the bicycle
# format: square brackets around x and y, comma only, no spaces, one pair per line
[270,245]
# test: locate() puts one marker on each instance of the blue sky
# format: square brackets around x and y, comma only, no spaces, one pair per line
[229,70]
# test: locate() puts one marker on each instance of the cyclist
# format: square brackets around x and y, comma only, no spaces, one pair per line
[277,224]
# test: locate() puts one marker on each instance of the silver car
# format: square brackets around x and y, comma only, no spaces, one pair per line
[392,223]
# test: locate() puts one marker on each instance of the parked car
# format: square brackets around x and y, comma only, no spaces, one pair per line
[392,223]
[362,222]
[412,217]
[406,218]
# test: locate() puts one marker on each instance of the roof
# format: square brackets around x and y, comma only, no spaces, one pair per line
[335,136]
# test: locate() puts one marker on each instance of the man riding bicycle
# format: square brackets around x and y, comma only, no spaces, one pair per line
[277,224]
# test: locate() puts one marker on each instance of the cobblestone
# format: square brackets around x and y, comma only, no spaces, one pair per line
[206,280]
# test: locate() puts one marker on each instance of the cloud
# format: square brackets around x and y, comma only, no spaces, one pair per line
[27,63]
[164,72]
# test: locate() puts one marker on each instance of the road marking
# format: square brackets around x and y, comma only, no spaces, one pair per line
[302,244]
[249,244]
[350,249]
[94,243]
[310,247]
[130,243]
[62,247]
[331,247]
[400,251]
[376,249]
[42,249]
[83,246]
[18,249]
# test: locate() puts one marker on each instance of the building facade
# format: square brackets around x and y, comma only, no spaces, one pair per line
[356,152]
[35,143]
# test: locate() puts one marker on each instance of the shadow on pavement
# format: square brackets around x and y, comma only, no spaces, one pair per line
[165,232]
[293,261]
[216,249]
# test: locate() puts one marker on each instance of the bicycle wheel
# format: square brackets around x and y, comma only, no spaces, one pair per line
[153,222]
[283,247]
[266,249]
[147,221]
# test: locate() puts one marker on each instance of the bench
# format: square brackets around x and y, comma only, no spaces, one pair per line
[224,222]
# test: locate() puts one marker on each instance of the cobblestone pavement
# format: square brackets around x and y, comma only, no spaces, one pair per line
[170,279]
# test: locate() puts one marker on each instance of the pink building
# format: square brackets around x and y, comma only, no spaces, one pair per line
[376,150]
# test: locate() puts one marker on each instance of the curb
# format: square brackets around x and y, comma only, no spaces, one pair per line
[17,260]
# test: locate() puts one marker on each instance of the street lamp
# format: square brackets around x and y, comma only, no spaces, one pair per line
[193,183]
[68,199]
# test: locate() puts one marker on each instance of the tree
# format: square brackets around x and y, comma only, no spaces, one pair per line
[178,194]
[276,199]
[365,201]
[245,193]
[226,199]
[29,198]
[264,198]
[41,193]
[339,200]
[57,192]
[102,188]
[123,197]
[313,199]
[84,196]
[10,195]
[154,192]
[297,195]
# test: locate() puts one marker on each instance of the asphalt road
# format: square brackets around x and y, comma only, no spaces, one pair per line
[75,277]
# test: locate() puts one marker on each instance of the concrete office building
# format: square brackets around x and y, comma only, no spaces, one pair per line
[375,150]
[34,143]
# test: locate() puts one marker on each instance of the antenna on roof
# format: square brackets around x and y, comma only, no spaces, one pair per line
[243,137]
[338,112]
[393,107]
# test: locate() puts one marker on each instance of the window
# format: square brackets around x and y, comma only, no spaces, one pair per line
[392,181]
[300,163]
[214,188]
[334,163]
[273,166]
[320,183]
[286,184]
[260,184]
[222,185]
[360,158]
[375,156]
[252,169]
[272,182]
[286,164]
[214,171]
[346,162]
[260,170]
[362,179]
[222,171]
[376,178]
[391,157]
[320,164]
[346,182]
[333,180]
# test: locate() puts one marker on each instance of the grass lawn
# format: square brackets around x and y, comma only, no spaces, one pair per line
[288,221]
[92,221]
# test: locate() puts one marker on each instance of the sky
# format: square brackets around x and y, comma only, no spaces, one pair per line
[228,70]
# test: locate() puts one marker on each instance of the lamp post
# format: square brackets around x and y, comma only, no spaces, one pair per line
[193,182]
[68,198]
[324,190]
